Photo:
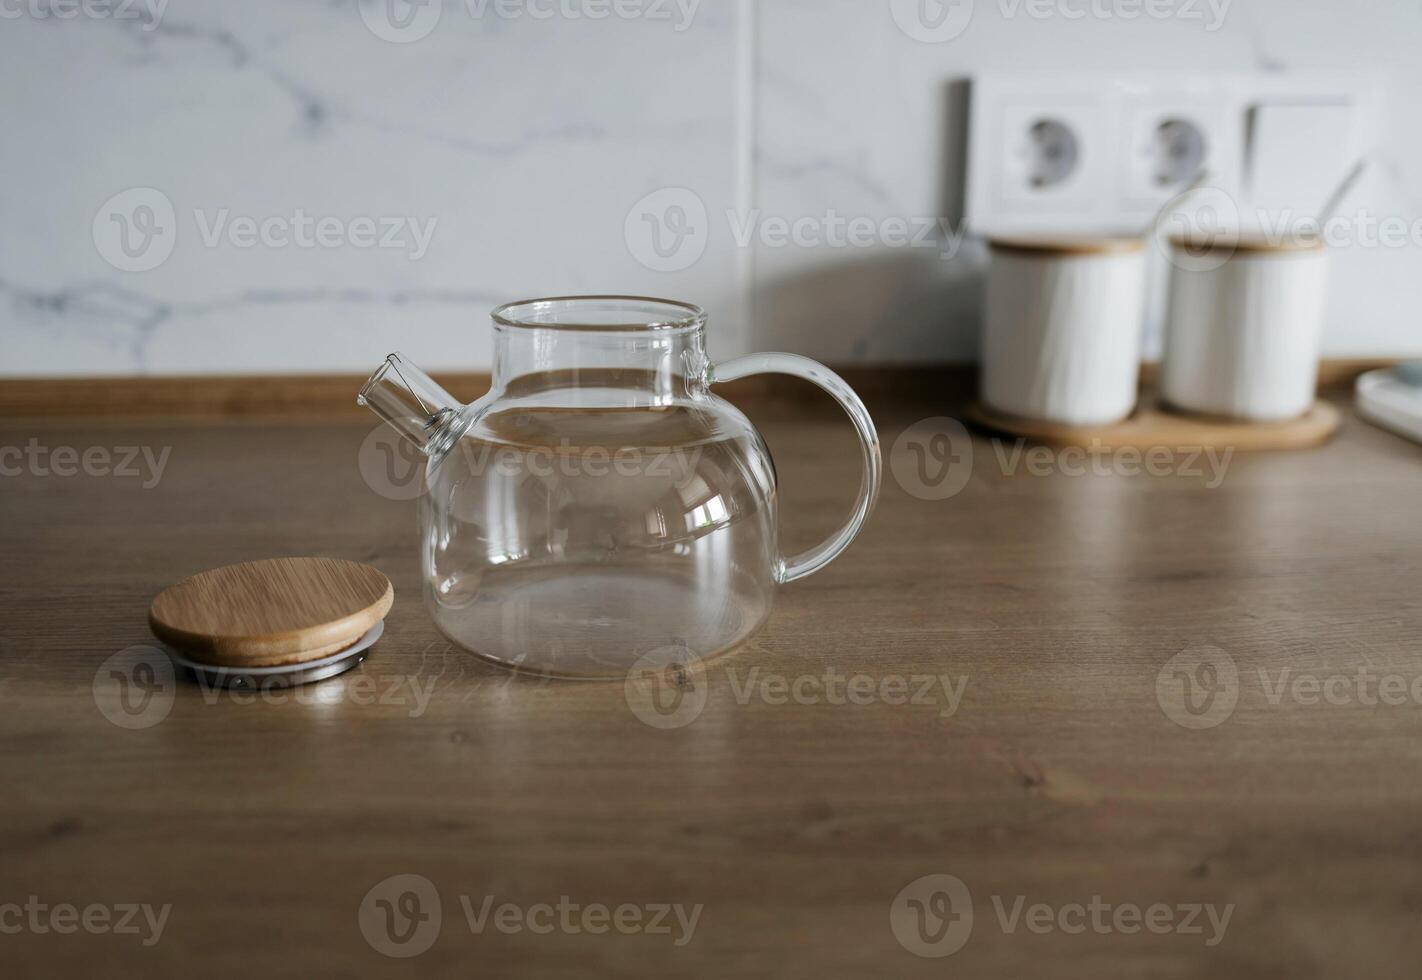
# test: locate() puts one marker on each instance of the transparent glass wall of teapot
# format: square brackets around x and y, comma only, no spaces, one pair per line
[600,508]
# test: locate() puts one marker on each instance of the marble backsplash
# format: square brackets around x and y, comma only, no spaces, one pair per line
[207,186]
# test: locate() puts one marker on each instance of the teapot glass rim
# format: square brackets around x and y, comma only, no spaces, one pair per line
[610,313]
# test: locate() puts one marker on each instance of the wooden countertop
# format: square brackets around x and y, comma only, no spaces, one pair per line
[1060,777]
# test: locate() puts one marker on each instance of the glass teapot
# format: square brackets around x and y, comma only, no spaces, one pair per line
[599,509]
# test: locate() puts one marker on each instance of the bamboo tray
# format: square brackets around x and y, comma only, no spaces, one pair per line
[1153,426]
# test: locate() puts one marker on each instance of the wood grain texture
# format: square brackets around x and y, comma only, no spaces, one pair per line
[271,612]
[301,397]
[266,821]
[1153,427]
[208,396]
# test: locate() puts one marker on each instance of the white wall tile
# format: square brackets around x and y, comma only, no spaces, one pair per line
[530,141]
[527,140]
[851,117]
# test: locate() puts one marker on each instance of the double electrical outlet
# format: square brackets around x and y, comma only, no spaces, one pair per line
[1083,151]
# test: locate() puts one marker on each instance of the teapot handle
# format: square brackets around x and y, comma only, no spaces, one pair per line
[798,567]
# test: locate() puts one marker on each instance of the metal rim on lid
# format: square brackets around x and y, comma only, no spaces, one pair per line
[273,678]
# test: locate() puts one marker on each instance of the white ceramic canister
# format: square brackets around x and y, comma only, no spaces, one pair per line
[1063,329]
[1244,327]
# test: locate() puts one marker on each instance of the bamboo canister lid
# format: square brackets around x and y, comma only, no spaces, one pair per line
[1248,244]
[1067,246]
[271,613]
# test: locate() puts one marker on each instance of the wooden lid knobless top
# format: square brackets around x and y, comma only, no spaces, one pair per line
[1066,246]
[271,613]
[1251,243]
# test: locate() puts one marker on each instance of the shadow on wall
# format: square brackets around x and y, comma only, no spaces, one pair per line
[889,306]
[885,310]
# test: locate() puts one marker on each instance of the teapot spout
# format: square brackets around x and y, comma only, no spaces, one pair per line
[413,404]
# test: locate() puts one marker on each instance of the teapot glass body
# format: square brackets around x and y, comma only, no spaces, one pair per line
[600,509]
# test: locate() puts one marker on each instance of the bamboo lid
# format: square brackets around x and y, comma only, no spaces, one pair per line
[1251,243]
[1046,246]
[271,613]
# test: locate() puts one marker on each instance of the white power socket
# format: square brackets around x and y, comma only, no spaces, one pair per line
[1167,141]
[1085,152]
[1046,163]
